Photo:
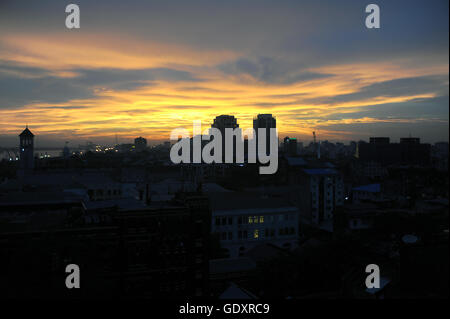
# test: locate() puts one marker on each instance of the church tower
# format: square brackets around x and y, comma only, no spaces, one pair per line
[26,149]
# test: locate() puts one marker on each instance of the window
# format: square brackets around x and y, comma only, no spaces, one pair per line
[217,221]
[261,219]
[239,220]
[267,232]
[230,221]
[224,236]
[256,234]
[240,234]
[245,234]
[250,220]
[230,235]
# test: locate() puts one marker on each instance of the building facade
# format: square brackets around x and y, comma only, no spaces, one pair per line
[243,222]
[321,192]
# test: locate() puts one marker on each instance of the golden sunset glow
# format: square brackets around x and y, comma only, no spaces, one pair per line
[164,85]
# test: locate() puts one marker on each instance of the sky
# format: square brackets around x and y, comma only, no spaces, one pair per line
[144,68]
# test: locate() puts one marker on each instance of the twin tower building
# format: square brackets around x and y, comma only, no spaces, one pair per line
[262,121]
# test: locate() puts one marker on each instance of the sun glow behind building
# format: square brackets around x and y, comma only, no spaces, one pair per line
[167,64]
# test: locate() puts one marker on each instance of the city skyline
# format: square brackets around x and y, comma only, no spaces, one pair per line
[157,66]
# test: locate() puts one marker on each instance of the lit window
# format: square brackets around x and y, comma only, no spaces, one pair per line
[261,219]
[255,219]
[256,234]
[250,220]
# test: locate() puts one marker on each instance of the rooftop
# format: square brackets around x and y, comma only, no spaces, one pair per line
[371,188]
[233,201]
[227,265]
[321,171]
[296,161]
[26,132]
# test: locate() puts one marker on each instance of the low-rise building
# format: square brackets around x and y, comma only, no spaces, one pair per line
[244,220]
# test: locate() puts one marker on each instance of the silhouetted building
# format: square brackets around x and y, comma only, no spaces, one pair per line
[415,153]
[225,121]
[290,146]
[125,148]
[149,252]
[440,156]
[140,143]
[221,123]
[26,150]
[380,140]
[408,152]
[66,150]
[264,121]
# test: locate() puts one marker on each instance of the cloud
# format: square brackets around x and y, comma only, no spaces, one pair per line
[17,92]
[313,64]
[269,70]
[402,87]
[20,85]
[424,108]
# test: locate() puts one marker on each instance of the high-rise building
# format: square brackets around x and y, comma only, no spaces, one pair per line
[221,123]
[225,121]
[26,149]
[264,121]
